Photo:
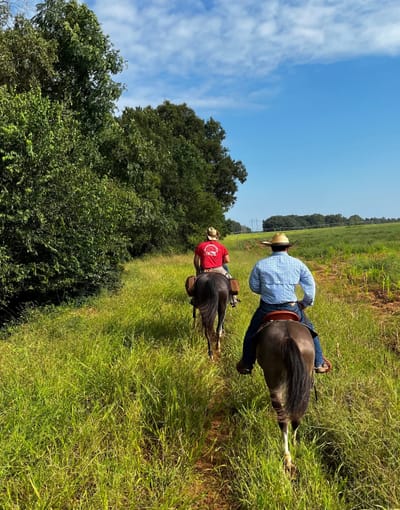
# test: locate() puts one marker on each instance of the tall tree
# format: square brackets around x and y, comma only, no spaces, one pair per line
[134,155]
[208,138]
[172,154]
[86,61]
[226,172]
[27,58]
[4,12]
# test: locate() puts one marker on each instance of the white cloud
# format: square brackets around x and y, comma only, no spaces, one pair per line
[211,51]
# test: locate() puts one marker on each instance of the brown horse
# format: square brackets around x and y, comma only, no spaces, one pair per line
[285,352]
[211,297]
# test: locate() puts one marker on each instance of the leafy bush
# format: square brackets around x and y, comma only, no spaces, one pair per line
[62,227]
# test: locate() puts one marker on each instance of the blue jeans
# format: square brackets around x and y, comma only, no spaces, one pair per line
[250,347]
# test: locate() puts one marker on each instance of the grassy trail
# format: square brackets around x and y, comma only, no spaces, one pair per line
[114,404]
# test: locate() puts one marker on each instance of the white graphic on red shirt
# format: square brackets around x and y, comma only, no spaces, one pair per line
[211,250]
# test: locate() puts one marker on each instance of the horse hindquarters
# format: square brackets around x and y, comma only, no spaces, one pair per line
[286,355]
[285,352]
[211,297]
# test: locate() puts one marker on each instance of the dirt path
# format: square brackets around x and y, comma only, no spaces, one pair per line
[212,488]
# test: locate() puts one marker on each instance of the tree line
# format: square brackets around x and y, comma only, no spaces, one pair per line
[82,189]
[293,222]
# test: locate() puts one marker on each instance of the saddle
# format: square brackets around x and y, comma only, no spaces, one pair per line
[280,315]
[191,280]
[283,315]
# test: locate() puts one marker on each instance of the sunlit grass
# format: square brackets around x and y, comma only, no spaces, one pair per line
[108,405]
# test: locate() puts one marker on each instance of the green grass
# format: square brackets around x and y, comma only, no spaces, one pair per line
[108,405]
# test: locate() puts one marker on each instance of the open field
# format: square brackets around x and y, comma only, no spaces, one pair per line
[114,404]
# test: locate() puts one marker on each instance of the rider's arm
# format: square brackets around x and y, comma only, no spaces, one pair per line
[307,283]
[197,263]
[254,280]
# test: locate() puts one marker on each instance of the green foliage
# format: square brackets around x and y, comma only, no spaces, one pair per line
[85,62]
[27,58]
[207,136]
[234,227]
[4,12]
[62,227]
[176,163]
[80,189]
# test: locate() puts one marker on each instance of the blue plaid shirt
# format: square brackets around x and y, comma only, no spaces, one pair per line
[276,277]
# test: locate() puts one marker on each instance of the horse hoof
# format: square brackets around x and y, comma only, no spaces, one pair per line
[291,470]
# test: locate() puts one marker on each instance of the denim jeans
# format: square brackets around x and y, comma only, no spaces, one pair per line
[249,345]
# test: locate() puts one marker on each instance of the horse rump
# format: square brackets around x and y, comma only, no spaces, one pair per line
[285,352]
[210,296]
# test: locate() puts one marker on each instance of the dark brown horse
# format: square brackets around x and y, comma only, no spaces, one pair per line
[285,352]
[211,297]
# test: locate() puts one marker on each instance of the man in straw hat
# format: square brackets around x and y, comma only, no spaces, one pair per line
[275,278]
[212,256]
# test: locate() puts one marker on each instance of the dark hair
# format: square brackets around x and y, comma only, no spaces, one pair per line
[279,247]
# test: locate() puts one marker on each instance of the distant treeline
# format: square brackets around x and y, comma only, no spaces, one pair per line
[293,222]
[83,190]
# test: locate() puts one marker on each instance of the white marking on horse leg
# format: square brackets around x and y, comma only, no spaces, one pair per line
[295,436]
[285,436]
[287,458]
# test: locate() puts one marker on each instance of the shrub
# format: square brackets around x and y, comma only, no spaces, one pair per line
[61,226]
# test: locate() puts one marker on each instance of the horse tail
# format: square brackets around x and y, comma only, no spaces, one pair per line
[209,306]
[299,381]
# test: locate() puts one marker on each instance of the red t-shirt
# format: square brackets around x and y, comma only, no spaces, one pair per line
[211,254]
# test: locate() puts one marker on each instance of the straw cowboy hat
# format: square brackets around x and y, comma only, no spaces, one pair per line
[212,234]
[279,239]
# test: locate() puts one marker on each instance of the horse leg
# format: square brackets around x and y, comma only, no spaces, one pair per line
[218,336]
[283,421]
[210,352]
[295,427]
[287,458]
[220,325]
[218,342]
[288,464]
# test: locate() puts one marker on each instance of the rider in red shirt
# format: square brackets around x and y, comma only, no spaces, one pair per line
[211,255]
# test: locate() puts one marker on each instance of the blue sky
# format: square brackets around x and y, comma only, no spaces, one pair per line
[306,90]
